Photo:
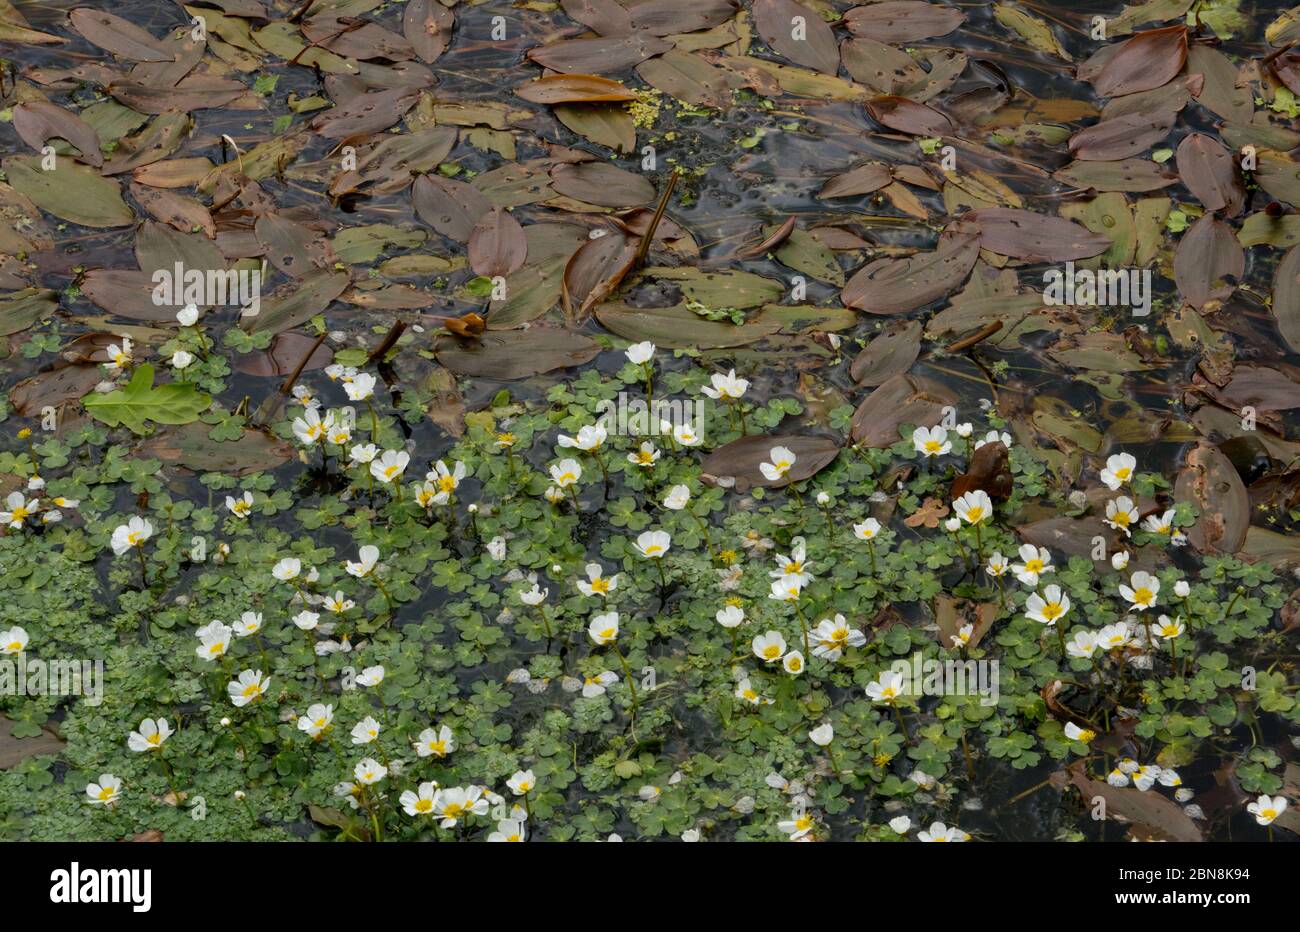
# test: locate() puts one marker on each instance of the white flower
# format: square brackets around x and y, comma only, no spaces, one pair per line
[132,534]
[963,635]
[686,436]
[1075,733]
[678,497]
[793,662]
[1142,594]
[653,544]
[589,439]
[797,826]
[365,731]
[1182,589]
[456,803]
[644,457]
[931,441]
[1119,560]
[940,832]
[119,357]
[421,802]
[181,359]
[250,686]
[952,525]
[832,637]
[593,686]
[496,548]
[1267,808]
[598,584]
[726,387]
[360,387]
[306,620]
[965,429]
[287,569]
[249,623]
[534,596]
[1160,524]
[1035,562]
[1168,629]
[1119,470]
[782,458]
[310,429]
[319,717]
[369,556]
[794,568]
[888,686]
[338,603]
[363,453]
[822,735]
[13,641]
[1121,514]
[1113,637]
[604,628]
[445,480]
[1046,609]
[522,783]
[994,437]
[370,771]
[640,353]
[769,646]
[746,691]
[240,507]
[731,616]
[901,825]
[823,499]
[974,507]
[188,316]
[435,742]
[508,830]
[1082,644]
[786,589]
[105,792]
[997,565]
[566,472]
[390,465]
[867,530]
[371,676]
[150,735]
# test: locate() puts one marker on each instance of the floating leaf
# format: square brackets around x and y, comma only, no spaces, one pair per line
[737,464]
[71,191]
[516,354]
[193,447]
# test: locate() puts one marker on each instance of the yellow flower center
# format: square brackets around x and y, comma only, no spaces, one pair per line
[1142,596]
[424,805]
[1052,610]
[933,446]
[600,585]
[1033,566]
[771,652]
[1122,518]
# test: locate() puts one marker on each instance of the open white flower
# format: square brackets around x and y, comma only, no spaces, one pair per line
[745,690]
[1035,562]
[106,792]
[832,637]
[594,686]
[974,507]
[310,429]
[318,719]
[188,316]
[135,533]
[534,596]
[338,603]
[150,736]
[782,459]
[653,544]
[1121,514]
[1113,637]
[597,584]
[769,646]
[371,676]
[566,472]
[940,832]
[240,507]
[1048,608]
[726,387]
[363,453]
[685,435]
[822,735]
[1075,733]
[522,783]
[1267,808]
[1160,524]
[793,662]
[435,742]
[1169,628]
[1082,644]
[604,628]
[867,530]
[678,497]
[13,641]
[997,565]
[590,438]
[509,830]
[730,616]
[446,481]
[119,357]
[1141,595]
[369,557]
[887,687]
[645,457]
[287,569]
[249,623]
[370,771]
[360,387]
[786,589]
[456,803]
[249,686]
[798,825]
[18,509]
[419,803]
[900,825]
[390,465]
[931,441]
[994,437]
[365,731]
[1119,470]
[640,353]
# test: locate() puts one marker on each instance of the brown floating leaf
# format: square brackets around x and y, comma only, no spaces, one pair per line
[38,120]
[366,113]
[516,354]
[195,92]
[890,353]
[604,17]
[1126,175]
[989,472]
[1210,172]
[14,750]
[737,464]
[310,296]
[192,447]
[680,328]
[666,17]
[900,21]
[595,270]
[598,56]
[952,614]
[903,399]
[71,192]
[1147,809]
[114,34]
[1147,60]
[602,184]
[687,77]
[573,88]
[1286,298]
[1120,137]
[20,310]
[284,354]
[450,207]
[497,245]
[1210,482]
[864,179]
[178,210]
[798,34]
[353,39]
[1023,234]
[883,68]
[896,286]
[1207,255]
[53,387]
[908,116]
[427,25]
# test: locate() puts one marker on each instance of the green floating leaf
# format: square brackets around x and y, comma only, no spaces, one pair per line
[141,401]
